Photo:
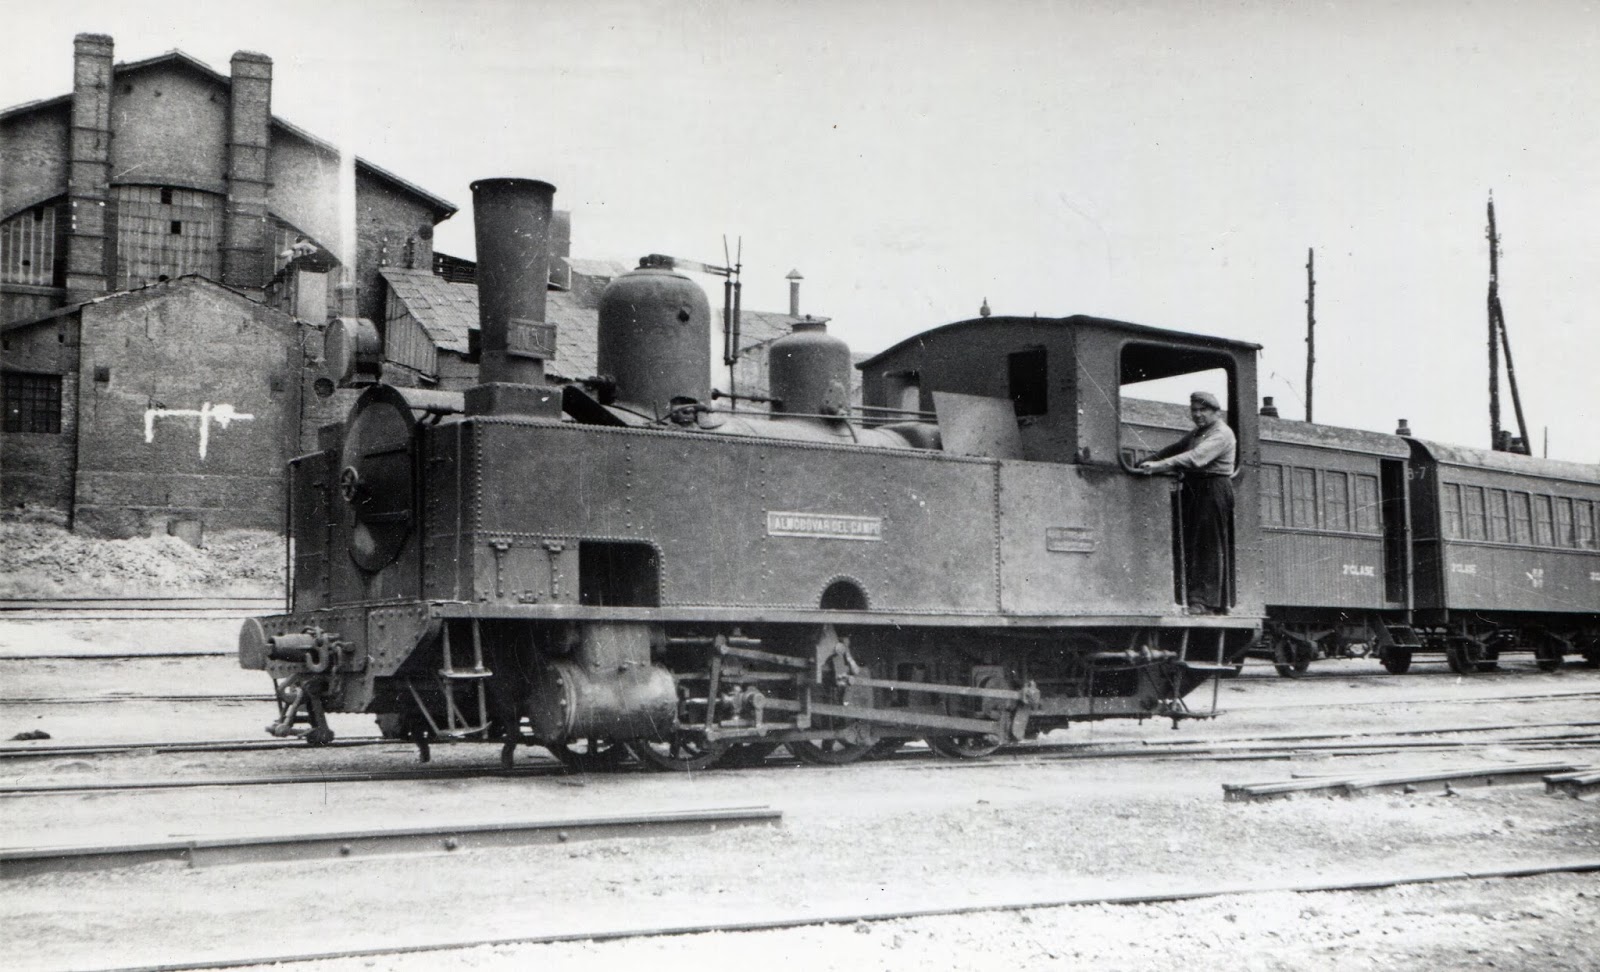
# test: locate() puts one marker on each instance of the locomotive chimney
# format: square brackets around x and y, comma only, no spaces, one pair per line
[511,221]
[1267,408]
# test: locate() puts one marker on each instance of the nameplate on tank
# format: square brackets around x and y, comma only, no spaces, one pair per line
[534,339]
[1069,539]
[826,526]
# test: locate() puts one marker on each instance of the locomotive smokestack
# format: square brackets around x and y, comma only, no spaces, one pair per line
[511,221]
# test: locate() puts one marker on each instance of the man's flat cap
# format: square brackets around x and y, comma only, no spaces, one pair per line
[1205,399]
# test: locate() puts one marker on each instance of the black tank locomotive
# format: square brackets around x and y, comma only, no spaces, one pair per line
[620,566]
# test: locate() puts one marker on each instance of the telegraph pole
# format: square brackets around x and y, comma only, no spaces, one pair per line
[1494,331]
[1311,324]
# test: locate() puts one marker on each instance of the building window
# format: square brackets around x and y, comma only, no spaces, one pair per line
[32,402]
[1303,497]
[31,250]
[1521,519]
[1029,377]
[1272,495]
[1450,511]
[166,232]
[1366,504]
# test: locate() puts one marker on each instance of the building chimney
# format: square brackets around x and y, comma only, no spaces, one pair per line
[1267,408]
[89,169]
[244,233]
[1402,428]
[561,248]
[794,279]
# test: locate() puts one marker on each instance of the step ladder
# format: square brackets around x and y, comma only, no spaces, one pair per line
[458,722]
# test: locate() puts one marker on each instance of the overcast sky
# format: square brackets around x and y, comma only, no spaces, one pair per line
[1161,162]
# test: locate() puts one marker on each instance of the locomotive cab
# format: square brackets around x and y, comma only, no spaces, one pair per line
[1103,535]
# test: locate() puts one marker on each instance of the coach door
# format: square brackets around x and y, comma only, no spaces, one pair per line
[1396,534]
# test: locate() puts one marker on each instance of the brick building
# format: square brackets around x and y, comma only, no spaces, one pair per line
[169,255]
[147,220]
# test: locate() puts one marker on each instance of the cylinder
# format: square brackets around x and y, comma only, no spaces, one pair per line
[511,221]
[810,371]
[655,338]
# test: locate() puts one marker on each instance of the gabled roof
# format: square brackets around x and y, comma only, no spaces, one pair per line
[442,208]
[447,311]
[183,280]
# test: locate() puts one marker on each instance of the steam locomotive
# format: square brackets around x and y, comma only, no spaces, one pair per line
[622,566]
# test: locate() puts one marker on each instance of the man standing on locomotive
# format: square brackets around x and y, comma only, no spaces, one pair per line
[1205,458]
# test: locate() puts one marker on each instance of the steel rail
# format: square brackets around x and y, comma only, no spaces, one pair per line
[819,918]
[551,768]
[31,861]
[104,699]
[199,746]
[139,603]
[1446,781]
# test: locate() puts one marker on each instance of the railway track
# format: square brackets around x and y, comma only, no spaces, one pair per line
[21,862]
[137,608]
[1236,749]
[1164,894]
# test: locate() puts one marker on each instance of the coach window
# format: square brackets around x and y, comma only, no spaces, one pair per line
[1521,519]
[1450,510]
[1367,504]
[1336,500]
[1541,521]
[1271,495]
[1498,520]
[1303,497]
[1583,519]
[1473,497]
[1563,522]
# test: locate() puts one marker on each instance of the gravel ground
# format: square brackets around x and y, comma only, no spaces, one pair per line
[41,559]
[908,833]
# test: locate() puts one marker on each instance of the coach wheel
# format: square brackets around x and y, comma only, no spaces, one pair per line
[1490,660]
[592,755]
[1397,661]
[1290,659]
[964,747]
[829,752]
[1548,657]
[1464,656]
[684,753]
[1591,658]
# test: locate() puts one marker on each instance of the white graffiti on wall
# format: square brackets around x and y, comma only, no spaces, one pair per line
[224,415]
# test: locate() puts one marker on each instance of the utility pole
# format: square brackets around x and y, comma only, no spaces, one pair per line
[1499,337]
[1311,324]
[1494,332]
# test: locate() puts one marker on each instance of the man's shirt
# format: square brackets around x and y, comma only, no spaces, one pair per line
[1209,451]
